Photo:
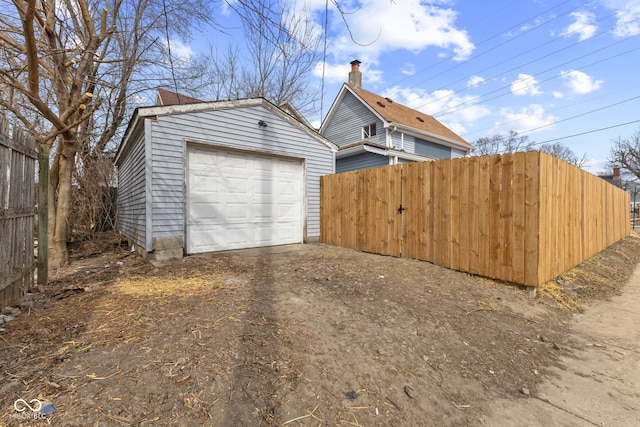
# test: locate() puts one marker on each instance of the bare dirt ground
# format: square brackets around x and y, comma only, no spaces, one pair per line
[297,335]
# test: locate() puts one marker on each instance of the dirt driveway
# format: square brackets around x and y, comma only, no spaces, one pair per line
[295,335]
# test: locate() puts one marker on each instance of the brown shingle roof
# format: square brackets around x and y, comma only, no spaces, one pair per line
[394,112]
[171,98]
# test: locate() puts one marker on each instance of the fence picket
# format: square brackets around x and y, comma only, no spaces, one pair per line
[17,212]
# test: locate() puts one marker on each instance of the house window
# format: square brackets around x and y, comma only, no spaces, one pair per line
[369,130]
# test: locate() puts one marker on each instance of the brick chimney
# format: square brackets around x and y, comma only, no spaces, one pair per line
[355,76]
[616,175]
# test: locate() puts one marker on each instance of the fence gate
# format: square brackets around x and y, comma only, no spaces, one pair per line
[17,210]
[362,210]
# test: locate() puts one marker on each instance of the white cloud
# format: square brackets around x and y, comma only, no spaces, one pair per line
[339,73]
[579,82]
[332,73]
[440,101]
[413,25]
[409,70]
[180,51]
[524,119]
[628,20]
[531,25]
[475,81]
[557,94]
[526,84]
[583,26]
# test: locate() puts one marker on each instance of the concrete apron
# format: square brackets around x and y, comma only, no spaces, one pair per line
[600,383]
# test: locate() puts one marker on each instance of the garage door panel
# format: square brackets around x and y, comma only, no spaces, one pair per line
[235,236]
[287,211]
[264,186]
[204,213]
[263,212]
[287,189]
[240,200]
[236,212]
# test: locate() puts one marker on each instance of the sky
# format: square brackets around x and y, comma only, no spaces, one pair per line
[555,70]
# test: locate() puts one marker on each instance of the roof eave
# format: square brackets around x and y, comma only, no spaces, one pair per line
[440,139]
[358,149]
[163,110]
[333,108]
[131,127]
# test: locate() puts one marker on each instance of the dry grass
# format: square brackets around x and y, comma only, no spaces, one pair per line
[560,295]
[168,285]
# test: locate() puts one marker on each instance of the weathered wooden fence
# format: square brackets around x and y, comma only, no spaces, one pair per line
[523,217]
[17,209]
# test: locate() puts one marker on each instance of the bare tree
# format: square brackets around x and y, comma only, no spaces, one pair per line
[512,142]
[625,152]
[283,48]
[565,153]
[67,69]
[500,144]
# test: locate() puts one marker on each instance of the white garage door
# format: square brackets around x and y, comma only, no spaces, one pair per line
[242,200]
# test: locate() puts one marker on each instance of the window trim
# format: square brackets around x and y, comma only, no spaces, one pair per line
[367,130]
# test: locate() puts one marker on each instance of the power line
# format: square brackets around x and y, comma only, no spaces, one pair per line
[582,114]
[166,29]
[481,98]
[592,99]
[587,132]
[528,52]
[324,58]
[491,38]
[575,116]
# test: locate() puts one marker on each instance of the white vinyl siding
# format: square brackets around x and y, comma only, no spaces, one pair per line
[132,193]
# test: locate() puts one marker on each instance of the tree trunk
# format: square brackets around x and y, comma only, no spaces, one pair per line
[60,192]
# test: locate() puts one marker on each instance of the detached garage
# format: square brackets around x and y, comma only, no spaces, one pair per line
[213,176]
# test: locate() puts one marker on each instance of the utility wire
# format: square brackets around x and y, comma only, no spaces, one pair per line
[587,132]
[166,29]
[581,114]
[525,53]
[481,98]
[592,99]
[324,59]
[491,38]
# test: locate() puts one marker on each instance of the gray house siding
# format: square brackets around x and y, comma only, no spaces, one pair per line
[431,149]
[361,161]
[456,154]
[132,193]
[404,142]
[346,124]
[235,128]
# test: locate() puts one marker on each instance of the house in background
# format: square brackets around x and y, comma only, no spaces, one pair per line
[615,178]
[207,176]
[165,97]
[374,131]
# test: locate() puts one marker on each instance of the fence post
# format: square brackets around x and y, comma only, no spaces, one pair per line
[43,208]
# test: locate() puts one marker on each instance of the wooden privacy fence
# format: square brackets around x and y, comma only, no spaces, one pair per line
[17,210]
[523,217]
